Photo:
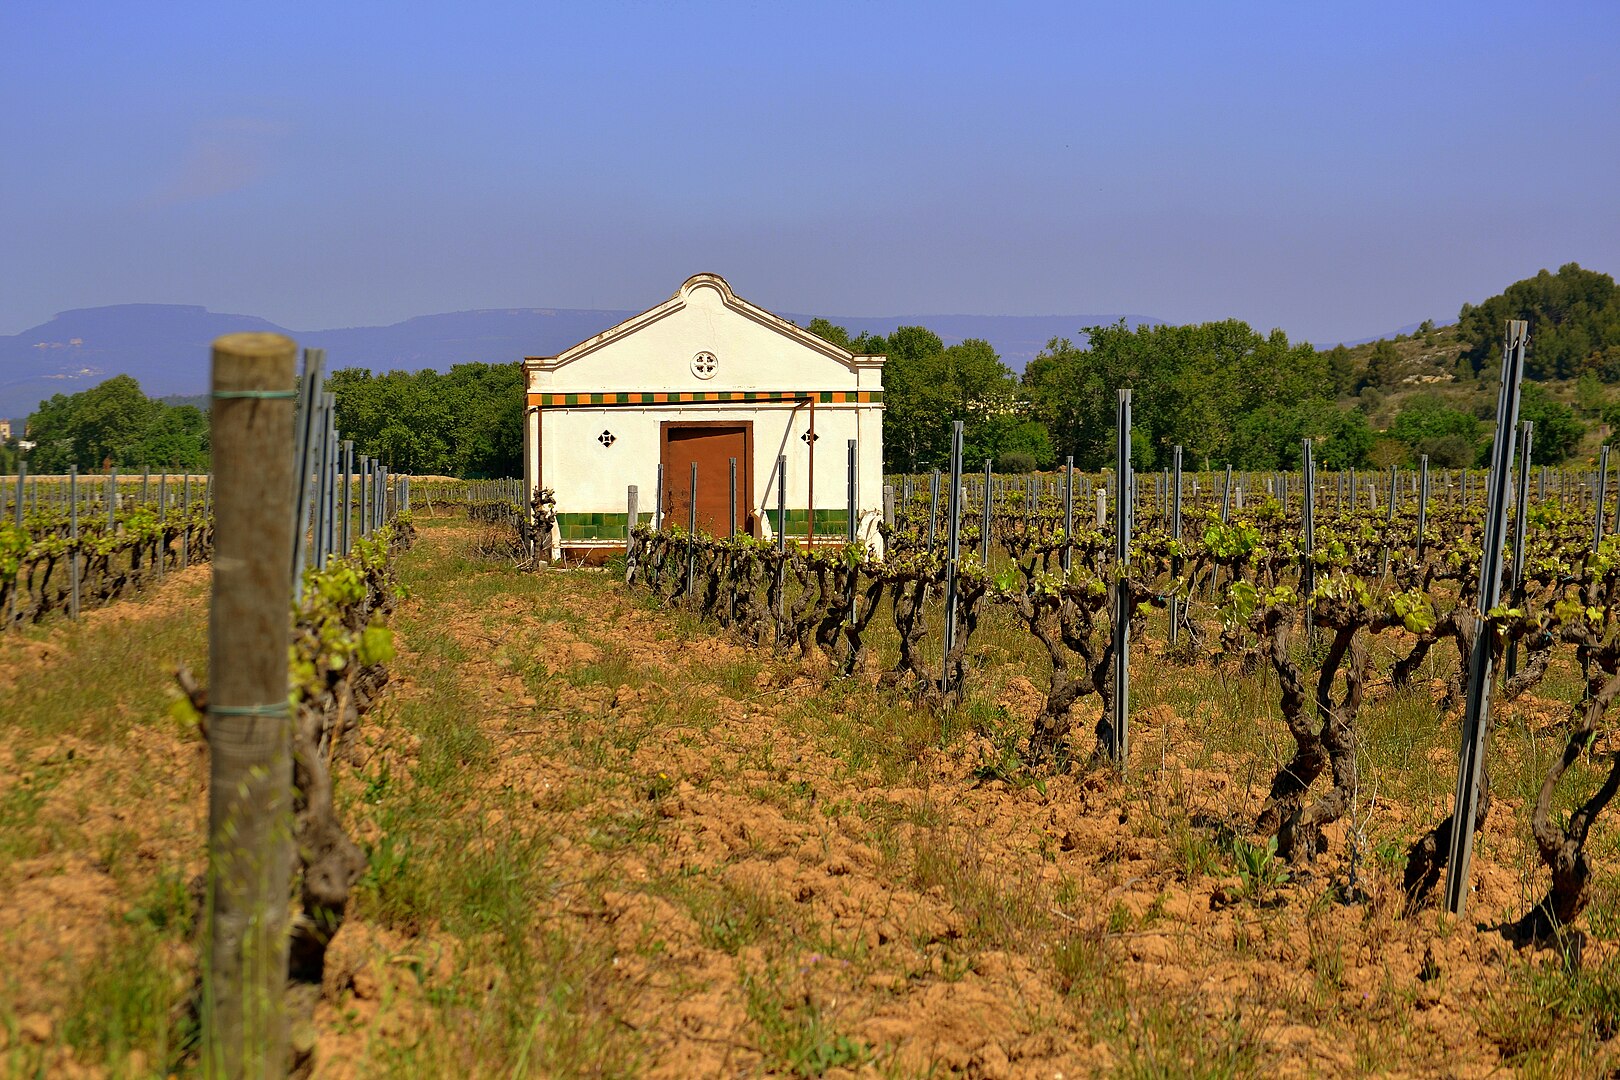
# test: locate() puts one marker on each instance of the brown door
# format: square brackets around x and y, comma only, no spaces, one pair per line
[711,445]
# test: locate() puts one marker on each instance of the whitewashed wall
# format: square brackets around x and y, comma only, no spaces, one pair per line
[653,352]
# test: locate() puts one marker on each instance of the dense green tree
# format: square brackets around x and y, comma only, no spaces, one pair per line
[1427,417]
[1574,318]
[1557,434]
[114,424]
[464,422]
[1218,389]
[927,385]
[1383,365]
[828,332]
[1341,368]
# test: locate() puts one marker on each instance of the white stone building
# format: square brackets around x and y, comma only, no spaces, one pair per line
[704,377]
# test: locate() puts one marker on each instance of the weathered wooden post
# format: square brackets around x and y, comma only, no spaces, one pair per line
[888,505]
[249,730]
[632,515]
[1477,708]
[1124,481]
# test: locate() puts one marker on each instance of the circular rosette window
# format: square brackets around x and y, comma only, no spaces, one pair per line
[704,365]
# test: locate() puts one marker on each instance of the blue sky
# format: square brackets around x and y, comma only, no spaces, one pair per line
[1337,170]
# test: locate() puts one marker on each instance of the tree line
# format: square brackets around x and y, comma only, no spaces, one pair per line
[113,425]
[1226,393]
[1229,395]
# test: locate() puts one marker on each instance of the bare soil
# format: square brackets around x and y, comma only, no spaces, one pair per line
[743,871]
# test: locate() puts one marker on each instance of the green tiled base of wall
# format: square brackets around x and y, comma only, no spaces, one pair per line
[610,526]
[603,526]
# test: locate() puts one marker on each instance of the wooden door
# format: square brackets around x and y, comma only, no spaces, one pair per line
[712,445]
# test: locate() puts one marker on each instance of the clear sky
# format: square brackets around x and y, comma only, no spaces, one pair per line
[1335,169]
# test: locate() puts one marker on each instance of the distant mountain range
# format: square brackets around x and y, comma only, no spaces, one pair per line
[165,346]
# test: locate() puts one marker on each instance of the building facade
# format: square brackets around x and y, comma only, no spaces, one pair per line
[701,380]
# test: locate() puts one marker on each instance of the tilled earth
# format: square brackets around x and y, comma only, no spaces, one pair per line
[736,867]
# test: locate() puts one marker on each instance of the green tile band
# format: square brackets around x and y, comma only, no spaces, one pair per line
[606,525]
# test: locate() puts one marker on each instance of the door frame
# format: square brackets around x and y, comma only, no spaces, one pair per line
[747,523]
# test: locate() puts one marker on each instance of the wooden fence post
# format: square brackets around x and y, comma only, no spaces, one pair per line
[250,842]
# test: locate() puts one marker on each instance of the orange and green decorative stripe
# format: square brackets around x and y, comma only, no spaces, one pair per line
[710,397]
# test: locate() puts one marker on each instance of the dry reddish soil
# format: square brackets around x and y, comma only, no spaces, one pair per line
[737,870]
[949,924]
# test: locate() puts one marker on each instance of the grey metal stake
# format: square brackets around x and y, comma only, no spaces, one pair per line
[1389,517]
[308,427]
[1521,515]
[1068,513]
[73,541]
[324,494]
[984,518]
[658,497]
[852,483]
[1307,569]
[853,497]
[363,481]
[953,536]
[933,508]
[1124,481]
[781,505]
[691,535]
[733,489]
[1423,501]
[1175,534]
[1226,498]
[1476,716]
[1602,491]
[112,501]
[344,512]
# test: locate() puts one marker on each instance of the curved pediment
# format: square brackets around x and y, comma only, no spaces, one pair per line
[703,338]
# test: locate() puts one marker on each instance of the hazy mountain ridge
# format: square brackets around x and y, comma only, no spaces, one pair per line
[165,346]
